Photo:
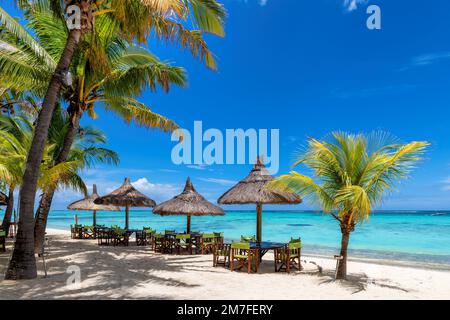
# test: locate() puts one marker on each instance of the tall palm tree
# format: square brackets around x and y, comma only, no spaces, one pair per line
[129,69]
[16,134]
[85,150]
[135,20]
[352,174]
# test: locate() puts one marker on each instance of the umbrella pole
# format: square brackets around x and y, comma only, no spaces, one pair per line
[188,227]
[126,217]
[94,218]
[258,222]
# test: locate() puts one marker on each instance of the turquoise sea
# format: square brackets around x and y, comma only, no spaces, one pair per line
[420,236]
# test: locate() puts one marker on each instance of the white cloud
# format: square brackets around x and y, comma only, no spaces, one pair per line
[157,191]
[262,3]
[223,182]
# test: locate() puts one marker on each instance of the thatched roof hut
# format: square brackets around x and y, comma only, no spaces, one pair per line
[3,199]
[88,204]
[126,196]
[189,203]
[253,189]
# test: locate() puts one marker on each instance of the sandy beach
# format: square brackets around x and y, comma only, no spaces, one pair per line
[137,273]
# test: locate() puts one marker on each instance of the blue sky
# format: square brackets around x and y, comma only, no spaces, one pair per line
[306,68]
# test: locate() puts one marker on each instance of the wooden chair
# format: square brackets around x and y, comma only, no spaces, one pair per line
[183,243]
[104,236]
[221,255]
[76,231]
[120,237]
[158,242]
[244,256]
[2,241]
[288,258]
[219,237]
[207,243]
[88,232]
[248,238]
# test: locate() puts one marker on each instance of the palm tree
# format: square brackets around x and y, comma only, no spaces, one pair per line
[16,134]
[84,150]
[130,69]
[352,173]
[135,20]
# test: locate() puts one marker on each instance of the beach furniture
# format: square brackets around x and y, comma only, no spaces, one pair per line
[120,237]
[76,231]
[253,190]
[288,257]
[104,236]
[248,238]
[145,237]
[126,196]
[183,243]
[244,256]
[221,255]
[88,204]
[2,240]
[219,237]
[189,203]
[158,243]
[207,242]
[88,232]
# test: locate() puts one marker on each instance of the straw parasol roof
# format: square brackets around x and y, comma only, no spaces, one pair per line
[252,190]
[3,199]
[88,203]
[189,202]
[126,196]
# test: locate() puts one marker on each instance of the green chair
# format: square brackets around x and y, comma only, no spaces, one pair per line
[289,257]
[76,231]
[146,237]
[2,241]
[88,232]
[120,237]
[158,242]
[244,256]
[207,243]
[219,237]
[248,238]
[221,255]
[183,243]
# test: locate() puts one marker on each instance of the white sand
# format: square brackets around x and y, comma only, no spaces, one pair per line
[137,273]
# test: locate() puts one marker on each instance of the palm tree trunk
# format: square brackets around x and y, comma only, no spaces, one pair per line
[341,273]
[46,201]
[8,211]
[23,263]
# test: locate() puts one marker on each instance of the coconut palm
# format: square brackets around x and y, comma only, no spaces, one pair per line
[16,134]
[133,19]
[85,150]
[352,174]
[129,70]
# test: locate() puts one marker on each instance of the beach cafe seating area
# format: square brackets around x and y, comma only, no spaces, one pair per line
[245,254]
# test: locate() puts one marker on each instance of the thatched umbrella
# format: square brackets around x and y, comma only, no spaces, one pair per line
[3,199]
[189,203]
[252,190]
[87,204]
[126,196]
